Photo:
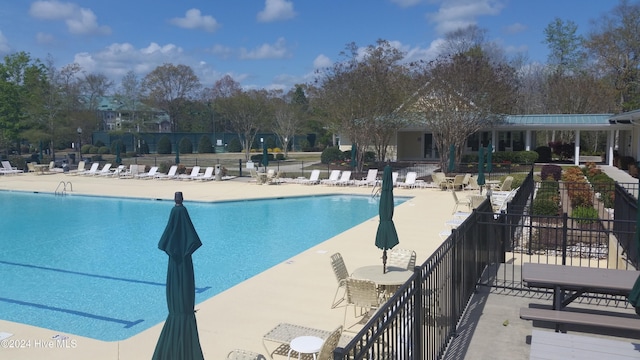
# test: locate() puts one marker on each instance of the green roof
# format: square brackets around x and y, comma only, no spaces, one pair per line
[558,119]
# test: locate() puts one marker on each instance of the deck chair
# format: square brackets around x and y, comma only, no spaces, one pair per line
[330,344]
[92,170]
[361,294]
[466,202]
[394,178]
[506,184]
[333,177]
[208,174]
[31,167]
[106,169]
[409,181]
[195,171]
[476,200]
[473,183]
[313,179]
[53,168]
[79,170]
[402,258]
[457,183]
[8,169]
[370,180]
[341,273]
[170,175]
[465,181]
[147,175]
[439,180]
[345,179]
[239,354]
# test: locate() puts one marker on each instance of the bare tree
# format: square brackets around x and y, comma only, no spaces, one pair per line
[167,86]
[463,94]
[246,114]
[363,96]
[615,45]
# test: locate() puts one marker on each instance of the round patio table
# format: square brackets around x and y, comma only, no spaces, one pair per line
[393,276]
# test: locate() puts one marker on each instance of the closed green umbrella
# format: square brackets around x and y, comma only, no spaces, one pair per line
[179,336]
[386,237]
[118,159]
[452,158]
[481,168]
[265,155]
[489,155]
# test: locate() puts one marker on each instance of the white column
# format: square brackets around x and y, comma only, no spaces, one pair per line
[576,153]
[610,142]
[527,140]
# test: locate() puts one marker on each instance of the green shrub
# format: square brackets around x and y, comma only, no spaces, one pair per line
[99,143]
[185,146]
[164,167]
[258,157]
[585,214]
[164,145]
[545,207]
[234,145]
[131,154]
[369,156]
[205,146]
[103,150]
[526,157]
[88,149]
[331,154]
[551,171]
[280,156]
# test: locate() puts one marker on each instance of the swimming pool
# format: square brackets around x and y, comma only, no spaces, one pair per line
[90,266]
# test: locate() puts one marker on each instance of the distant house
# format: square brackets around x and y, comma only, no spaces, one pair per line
[116,114]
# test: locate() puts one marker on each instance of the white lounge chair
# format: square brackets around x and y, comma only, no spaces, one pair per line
[170,175]
[115,172]
[409,181]
[313,179]
[333,177]
[402,258]
[8,169]
[79,170]
[207,176]
[147,175]
[370,180]
[92,170]
[345,179]
[195,171]
[106,169]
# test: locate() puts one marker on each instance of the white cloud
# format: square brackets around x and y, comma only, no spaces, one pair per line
[221,51]
[515,28]
[267,51]
[78,20]
[275,10]
[4,44]
[456,14]
[193,19]
[44,38]
[321,61]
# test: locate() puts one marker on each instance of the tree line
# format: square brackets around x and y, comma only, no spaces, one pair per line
[366,96]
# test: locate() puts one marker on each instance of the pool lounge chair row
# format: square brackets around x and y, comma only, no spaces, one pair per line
[7,169]
[343,178]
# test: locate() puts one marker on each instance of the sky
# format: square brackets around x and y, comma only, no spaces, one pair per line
[270,44]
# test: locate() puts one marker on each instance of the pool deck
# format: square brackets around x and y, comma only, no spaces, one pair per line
[298,290]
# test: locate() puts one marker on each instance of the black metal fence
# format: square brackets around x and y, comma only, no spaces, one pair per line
[420,320]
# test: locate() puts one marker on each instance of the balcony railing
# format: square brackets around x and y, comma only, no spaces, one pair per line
[421,319]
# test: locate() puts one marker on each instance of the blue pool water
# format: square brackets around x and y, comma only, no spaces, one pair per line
[90,265]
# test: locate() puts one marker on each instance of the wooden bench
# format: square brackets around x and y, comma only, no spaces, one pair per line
[580,318]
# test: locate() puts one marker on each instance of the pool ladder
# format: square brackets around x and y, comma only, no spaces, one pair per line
[63,191]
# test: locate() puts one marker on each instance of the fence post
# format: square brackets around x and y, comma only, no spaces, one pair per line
[240,167]
[418,315]
[565,220]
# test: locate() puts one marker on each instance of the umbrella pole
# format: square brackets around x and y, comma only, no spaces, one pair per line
[384,261]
